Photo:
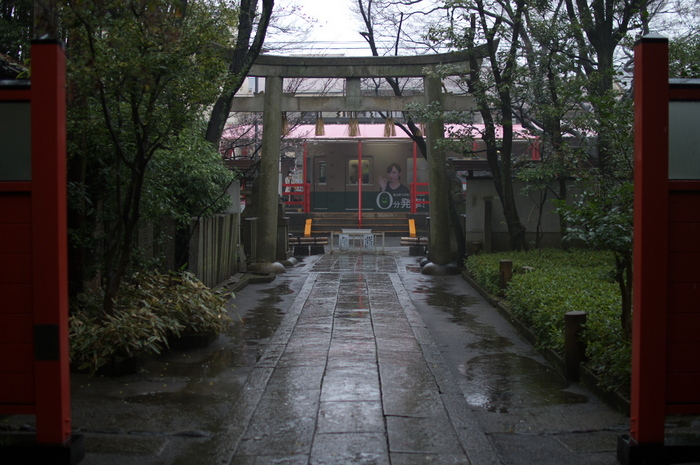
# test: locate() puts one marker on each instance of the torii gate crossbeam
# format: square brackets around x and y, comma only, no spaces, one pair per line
[273,102]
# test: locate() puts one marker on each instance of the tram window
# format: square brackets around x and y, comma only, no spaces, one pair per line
[352,172]
[322,173]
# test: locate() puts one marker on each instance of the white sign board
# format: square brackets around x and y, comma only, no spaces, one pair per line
[368,242]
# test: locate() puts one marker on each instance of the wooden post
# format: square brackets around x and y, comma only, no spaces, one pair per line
[505,273]
[574,347]
[647,409]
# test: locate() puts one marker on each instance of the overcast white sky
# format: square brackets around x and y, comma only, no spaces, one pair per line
[336,30]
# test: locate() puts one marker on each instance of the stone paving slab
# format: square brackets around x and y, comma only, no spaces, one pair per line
[349,381]
[354,359]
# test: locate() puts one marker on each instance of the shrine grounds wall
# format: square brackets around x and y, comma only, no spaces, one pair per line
[481,190]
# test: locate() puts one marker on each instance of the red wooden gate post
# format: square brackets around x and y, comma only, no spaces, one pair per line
[647,413]
[40,294]
[666,319]
[50,242]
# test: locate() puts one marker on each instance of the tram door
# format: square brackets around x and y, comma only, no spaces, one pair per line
[353,171]
[320,184]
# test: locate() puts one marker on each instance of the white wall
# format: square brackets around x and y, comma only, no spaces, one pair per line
[481,190]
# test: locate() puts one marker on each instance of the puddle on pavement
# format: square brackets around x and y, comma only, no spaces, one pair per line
[258,324]
[262,321]
[200,366]
[439,296]
[190,364]
[177,398]
[282,289]
[504,382]
[458,307]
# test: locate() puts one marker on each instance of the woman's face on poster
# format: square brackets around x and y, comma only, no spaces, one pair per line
[393,174]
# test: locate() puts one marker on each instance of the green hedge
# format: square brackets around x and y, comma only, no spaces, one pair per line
[547,284]
[150,309]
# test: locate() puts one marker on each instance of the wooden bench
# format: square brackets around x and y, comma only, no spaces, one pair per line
[316,240]
[308,244]
[414,240]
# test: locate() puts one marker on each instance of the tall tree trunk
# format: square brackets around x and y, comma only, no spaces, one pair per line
[243,56]
[501,164]
[121,240]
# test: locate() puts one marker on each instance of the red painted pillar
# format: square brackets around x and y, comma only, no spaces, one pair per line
[49,243]
[360,175]
[651,95]
[414,185]
[305,178]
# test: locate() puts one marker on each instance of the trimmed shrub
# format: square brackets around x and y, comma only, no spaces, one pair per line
[557,282]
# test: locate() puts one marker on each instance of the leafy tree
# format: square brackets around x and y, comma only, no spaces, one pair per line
[16,21]
[492,85]
[604,222]
[185,182]
[599,27]
[252,29]
[684,56]
[140,73]
[545,101]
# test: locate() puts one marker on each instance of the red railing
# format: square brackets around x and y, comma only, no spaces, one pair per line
[415,192]
[298,196]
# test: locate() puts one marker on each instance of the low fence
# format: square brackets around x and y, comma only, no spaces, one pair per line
[214,248]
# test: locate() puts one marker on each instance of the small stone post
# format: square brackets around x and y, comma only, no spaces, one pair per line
[574,347]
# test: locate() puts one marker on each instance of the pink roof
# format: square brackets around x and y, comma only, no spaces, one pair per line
[367,131]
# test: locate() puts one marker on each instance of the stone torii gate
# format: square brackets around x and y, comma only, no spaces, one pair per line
[273,103]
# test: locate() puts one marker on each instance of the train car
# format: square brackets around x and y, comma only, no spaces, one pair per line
[368,170]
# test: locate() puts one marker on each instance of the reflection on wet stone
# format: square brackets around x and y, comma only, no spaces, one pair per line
[354,322]
[351,417]
[503,382]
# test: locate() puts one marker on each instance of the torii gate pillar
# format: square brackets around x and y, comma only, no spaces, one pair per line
[268,199]
[439,246]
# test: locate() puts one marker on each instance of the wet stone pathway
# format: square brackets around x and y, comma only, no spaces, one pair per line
[353,376]
[348,358]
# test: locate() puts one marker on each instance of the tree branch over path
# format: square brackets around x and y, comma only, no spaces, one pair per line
[243,56]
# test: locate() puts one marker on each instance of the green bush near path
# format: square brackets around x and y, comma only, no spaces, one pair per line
[547,284]
[151,308]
